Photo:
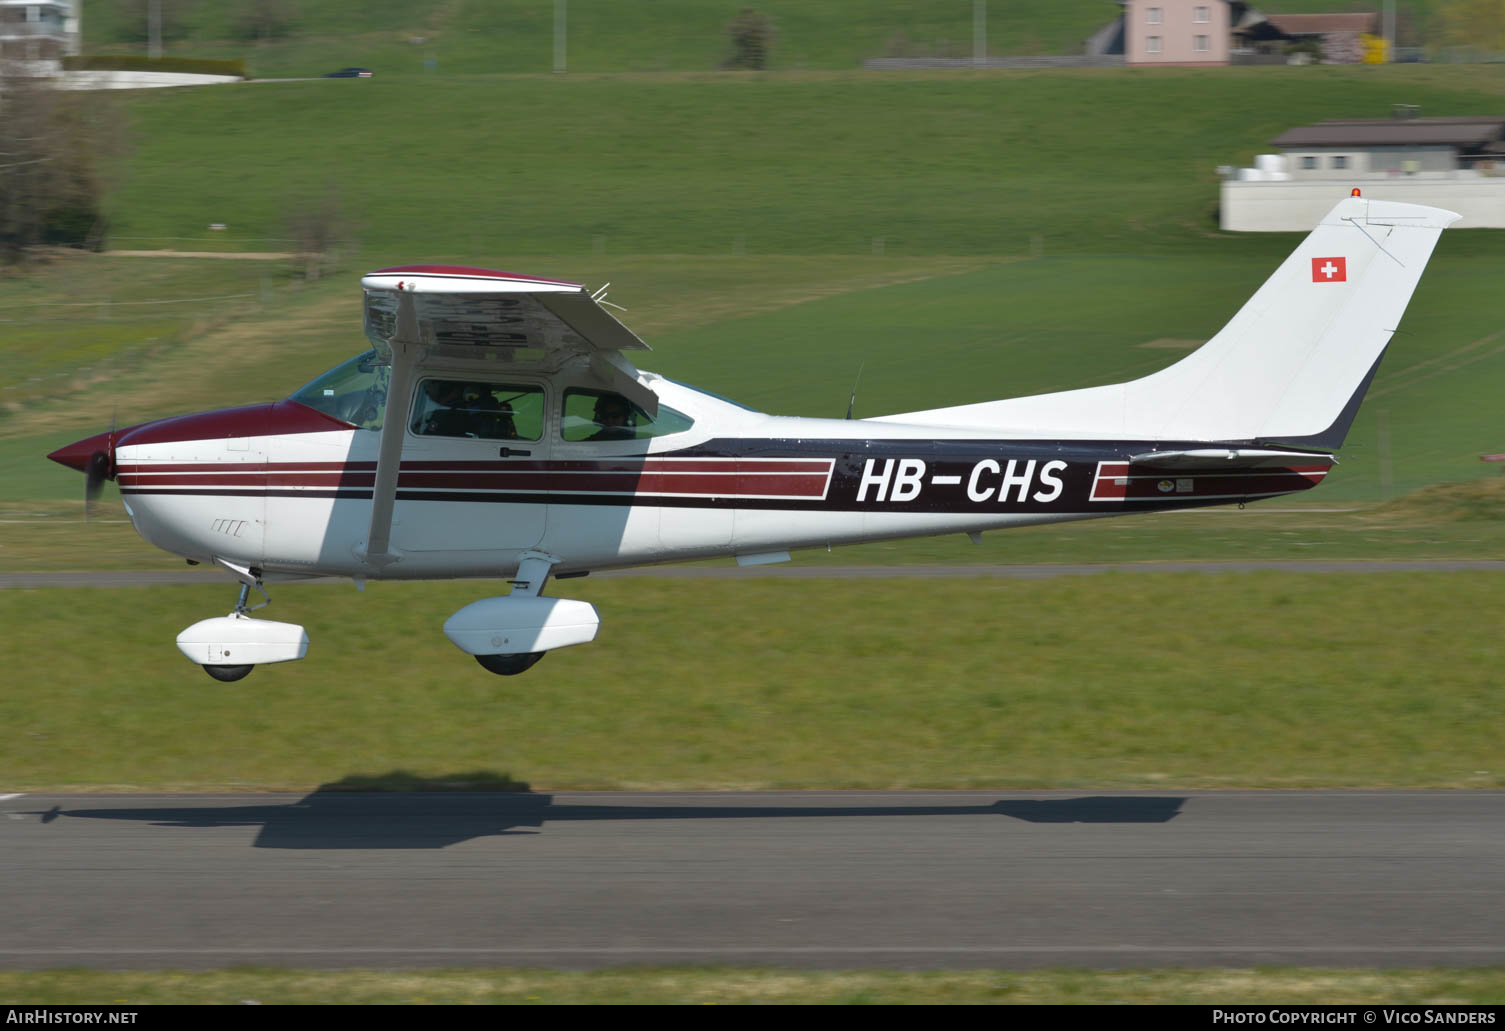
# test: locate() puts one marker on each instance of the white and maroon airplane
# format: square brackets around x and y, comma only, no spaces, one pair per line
[497,429]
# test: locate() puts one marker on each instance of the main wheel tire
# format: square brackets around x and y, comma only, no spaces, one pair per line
[509,665]
[228,674]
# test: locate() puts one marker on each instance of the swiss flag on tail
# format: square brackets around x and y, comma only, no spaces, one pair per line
[1329,270]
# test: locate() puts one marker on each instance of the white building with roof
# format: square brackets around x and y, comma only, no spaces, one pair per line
[1454,162]
[35,35]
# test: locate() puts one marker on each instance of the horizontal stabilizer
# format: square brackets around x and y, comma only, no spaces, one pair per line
[1230,458]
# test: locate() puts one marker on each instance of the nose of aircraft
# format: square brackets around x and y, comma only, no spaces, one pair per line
[81,454]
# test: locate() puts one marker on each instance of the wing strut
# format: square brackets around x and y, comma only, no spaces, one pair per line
[405,344]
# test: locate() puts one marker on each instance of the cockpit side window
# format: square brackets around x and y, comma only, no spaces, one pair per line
[354,391]
[471,408]
[600,415]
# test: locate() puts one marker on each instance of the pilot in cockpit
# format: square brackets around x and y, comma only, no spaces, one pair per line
[613,413]
[488,418]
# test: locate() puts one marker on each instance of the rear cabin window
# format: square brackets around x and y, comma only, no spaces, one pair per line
[599,415]
[471,408]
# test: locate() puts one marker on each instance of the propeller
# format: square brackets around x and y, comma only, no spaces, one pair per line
[95,475]
[98,470]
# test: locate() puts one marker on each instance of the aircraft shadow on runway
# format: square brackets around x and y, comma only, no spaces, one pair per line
[333,819]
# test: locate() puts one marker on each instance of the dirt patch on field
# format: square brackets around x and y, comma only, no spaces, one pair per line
[768,287]
[1452,361]
[1172,344]
[242,255]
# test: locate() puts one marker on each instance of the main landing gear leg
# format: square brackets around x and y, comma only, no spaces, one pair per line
[507,635]
[532,574]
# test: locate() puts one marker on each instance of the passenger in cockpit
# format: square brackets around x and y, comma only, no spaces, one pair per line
[443,417]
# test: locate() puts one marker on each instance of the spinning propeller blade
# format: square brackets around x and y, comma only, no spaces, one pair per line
[98,470]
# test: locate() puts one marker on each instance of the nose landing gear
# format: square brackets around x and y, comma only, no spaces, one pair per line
[229,647]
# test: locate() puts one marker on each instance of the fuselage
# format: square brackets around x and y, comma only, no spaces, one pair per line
[286,489]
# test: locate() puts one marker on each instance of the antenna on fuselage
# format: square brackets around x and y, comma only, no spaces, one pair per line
[853,401]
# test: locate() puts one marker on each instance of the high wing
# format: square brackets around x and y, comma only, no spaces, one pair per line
[422,315]
[469,312]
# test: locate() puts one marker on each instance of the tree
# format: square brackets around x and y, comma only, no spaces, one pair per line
[319,228]
[1472,23]
[135,16]
[265,20]
[59,153]
[752,35]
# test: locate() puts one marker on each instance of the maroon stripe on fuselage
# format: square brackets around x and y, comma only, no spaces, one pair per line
[668,465]
[757,484]
[805,486]
[187,468]
[253,479]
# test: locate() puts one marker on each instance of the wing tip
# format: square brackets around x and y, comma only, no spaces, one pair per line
[471,275]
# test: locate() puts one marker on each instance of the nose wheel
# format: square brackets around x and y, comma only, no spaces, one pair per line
[501,665]
[229,674]
[229,647]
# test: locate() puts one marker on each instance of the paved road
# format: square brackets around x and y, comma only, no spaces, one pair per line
[157,578]
[808,879]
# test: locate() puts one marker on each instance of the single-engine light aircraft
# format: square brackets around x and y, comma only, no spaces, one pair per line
[497,428]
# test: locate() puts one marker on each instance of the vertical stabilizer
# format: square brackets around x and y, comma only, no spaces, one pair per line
[1290,366]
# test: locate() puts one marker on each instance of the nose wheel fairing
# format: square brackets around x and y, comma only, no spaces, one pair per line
[228,647]
[239,640]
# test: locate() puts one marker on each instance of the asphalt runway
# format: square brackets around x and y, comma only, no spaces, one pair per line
[899,880]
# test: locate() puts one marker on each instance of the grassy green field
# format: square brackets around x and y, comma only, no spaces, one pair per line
[736,217]
[711,986]
[1142,680]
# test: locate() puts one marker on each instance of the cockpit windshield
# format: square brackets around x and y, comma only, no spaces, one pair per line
[355,392]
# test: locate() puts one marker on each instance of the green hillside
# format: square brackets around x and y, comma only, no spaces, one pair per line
[1093,161]
[447,37]
[417,37]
